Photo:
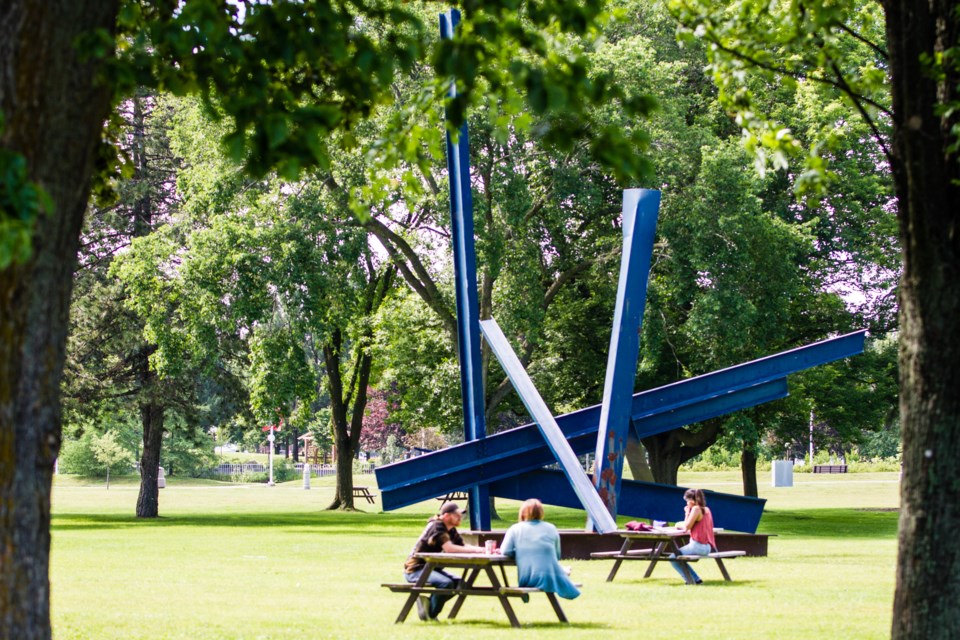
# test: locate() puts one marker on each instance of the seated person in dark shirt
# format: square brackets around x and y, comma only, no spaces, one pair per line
[440,536]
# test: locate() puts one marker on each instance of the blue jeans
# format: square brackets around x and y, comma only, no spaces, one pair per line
[692,548]
[438,578]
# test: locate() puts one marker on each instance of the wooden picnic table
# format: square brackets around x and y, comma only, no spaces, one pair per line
[455,496]
[364,492]
[473,565]
[665,543]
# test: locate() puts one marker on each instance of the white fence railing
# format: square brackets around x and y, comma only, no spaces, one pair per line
[316,471]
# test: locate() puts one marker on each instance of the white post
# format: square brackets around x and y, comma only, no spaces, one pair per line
[270,439]
[306,475]
[811,437]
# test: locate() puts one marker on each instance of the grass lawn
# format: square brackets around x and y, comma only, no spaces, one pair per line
[247,561]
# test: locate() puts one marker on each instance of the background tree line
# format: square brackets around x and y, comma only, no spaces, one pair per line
[266,299]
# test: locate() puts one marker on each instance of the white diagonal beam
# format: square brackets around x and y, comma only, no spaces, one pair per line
[555,439]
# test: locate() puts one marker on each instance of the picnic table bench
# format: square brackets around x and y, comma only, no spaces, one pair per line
[473,564]
[665,543]
[364,492]
[829,468]
[455,496]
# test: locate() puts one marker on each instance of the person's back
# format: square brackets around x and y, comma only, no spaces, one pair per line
[535,545]
[702,529]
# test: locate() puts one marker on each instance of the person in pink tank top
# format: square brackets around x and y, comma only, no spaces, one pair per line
[699,522]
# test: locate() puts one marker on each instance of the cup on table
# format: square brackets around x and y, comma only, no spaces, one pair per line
[659,523]
[490,546]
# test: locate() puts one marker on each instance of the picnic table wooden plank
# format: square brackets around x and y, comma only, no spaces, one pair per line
[364,492]
[473,564]
[663,538]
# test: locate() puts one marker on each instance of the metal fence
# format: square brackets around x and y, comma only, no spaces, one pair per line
[316,471]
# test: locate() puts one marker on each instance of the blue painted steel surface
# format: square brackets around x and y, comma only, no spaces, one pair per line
[425,477]
[640,208]
[753,372]
[465,272]
[576,478]
[637,499]
[523,449]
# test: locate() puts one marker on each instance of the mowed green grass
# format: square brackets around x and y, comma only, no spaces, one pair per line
[247,561]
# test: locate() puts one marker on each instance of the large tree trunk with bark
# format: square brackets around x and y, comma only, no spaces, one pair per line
[346,430]
[148,502]
[927,182]
[671,449]
[53,115]
[748,470]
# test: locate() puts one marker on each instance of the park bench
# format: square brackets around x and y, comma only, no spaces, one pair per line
[364,492]
[829,468]
[455,496]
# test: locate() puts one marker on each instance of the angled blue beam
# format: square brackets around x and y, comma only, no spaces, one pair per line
[451,469]
[465,272]
[508,453]
[576,478]
[761,370]
[640,208]
[637,499]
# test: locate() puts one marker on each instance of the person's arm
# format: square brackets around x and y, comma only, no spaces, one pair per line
[509,546]
[451,547]
[692,516]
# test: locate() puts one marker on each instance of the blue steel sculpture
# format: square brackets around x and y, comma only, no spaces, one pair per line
[465,272]
[640,208]
[511,464]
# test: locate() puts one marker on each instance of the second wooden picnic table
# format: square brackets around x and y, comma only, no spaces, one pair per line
[665,542]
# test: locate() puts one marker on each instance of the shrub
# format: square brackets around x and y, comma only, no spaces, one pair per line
[80,457]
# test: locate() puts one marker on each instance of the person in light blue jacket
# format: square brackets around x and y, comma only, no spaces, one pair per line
[535,545]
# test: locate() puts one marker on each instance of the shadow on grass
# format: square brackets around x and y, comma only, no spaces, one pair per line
[815,523]
[709,582]
[831,523]
[491,624]
[383,524]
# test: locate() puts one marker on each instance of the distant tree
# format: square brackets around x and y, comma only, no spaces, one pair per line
[110,453]
[378,425]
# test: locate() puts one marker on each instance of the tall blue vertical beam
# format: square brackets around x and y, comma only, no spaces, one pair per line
[557,442]
[465,272]
[640,209]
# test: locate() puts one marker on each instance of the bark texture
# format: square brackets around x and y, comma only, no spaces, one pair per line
[748,471]
[671,449]
[927,182]
[148,502]
[54,113]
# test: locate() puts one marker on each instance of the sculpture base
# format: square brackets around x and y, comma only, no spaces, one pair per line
[578,545]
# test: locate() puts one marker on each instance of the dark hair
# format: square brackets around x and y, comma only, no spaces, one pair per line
[697,496]
[531,509]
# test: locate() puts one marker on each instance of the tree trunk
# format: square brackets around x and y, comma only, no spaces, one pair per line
[664,449]
[148,502]
[671,449]
[341,438]
[926,175]
[748,471]
[54,114]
